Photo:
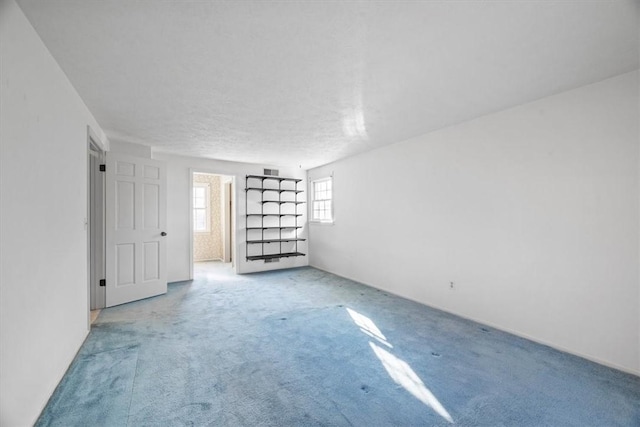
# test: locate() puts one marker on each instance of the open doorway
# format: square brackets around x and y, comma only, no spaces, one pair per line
[212,227]
[95,226]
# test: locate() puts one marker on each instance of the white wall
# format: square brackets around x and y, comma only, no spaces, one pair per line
[131,149]
[178,212]
[531,212]
[43,205]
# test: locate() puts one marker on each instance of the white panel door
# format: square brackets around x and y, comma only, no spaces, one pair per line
[136,217]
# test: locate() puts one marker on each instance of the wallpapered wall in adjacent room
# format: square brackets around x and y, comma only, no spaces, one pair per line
[208,246]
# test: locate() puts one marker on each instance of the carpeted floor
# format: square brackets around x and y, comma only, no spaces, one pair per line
[303,347]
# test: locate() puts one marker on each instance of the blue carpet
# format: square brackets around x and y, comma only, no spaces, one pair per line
[302,347]
[95,391]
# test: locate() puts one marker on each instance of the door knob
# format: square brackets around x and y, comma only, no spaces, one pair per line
[163,234]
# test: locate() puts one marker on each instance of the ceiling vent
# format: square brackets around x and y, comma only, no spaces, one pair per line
[271,172]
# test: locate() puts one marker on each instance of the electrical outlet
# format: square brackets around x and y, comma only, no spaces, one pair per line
[451,285]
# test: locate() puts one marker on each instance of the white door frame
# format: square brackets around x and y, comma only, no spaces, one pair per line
[193,171]
[227,222]
[95,147]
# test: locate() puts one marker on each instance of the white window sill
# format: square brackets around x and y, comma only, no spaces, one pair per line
[321,222]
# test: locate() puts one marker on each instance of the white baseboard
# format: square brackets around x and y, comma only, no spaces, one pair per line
[501,328]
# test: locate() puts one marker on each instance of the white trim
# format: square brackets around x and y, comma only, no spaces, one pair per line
[494,326]
[312,192]
[207,206]
[95,148]
[322,223]
[103,145]
[190,216]
[234,237]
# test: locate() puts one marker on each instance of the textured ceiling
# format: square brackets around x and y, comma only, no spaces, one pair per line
[306,83]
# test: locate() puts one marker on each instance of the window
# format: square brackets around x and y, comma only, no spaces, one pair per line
[322,193]
[201,207]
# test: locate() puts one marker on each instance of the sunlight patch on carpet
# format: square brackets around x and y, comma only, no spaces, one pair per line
[398,369]
[368,327]
[403,375]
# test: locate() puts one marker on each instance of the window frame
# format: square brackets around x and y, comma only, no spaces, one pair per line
[312,191]
[207,208]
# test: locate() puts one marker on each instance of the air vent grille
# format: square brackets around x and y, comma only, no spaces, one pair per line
[271,172]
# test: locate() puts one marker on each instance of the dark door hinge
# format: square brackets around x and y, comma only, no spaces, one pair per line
[103,168]
[103,282]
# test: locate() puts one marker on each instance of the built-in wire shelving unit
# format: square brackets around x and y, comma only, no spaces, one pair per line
[274,229]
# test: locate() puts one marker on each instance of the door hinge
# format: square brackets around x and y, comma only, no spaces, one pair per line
[103,168]
[103,282]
